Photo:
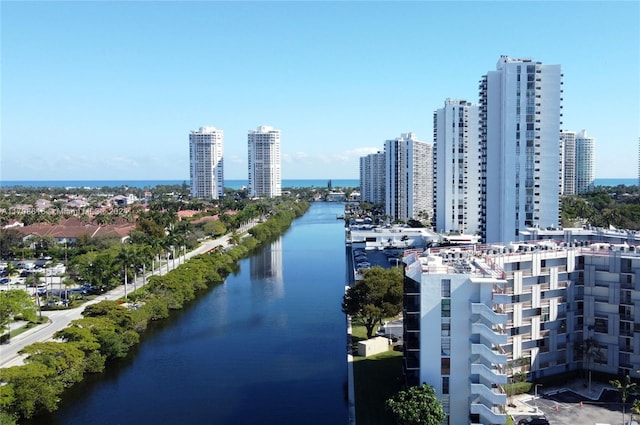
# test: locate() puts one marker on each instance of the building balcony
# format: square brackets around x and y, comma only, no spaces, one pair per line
[412,340]
[412,322]
[492,356]
[494,337]
[494,415]
[412,303]
[495,375]
[492,395]
[411,360]
[488,313]
[624,332]
[626,348]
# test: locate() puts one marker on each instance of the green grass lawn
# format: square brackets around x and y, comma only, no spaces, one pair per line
[376,379]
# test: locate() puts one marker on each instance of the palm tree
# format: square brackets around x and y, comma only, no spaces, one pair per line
[625,389]
[67,282]
[146,253]
[35,278]
[11,269]
[155,248]
[125,259]
[139,257]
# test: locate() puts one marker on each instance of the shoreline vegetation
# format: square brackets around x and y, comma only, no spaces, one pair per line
[109,329]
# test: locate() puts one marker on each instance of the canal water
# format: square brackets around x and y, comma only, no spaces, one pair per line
[266,347]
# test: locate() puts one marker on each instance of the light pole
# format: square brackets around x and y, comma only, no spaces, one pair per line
[535,396]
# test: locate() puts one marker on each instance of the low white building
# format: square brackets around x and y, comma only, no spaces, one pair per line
[373,346]
[389,237]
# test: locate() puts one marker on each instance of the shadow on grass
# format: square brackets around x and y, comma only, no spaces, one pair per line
[377,378]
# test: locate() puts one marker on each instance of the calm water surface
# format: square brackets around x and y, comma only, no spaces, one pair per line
[266,347]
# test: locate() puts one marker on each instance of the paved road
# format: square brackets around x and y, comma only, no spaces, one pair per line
[60,319]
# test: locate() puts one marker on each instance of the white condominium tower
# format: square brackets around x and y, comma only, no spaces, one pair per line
[520,143]
[457,193]
[206,163]
[265,179]
[372,178]
[578,170]
[568,162]
[585,158]
[409,178]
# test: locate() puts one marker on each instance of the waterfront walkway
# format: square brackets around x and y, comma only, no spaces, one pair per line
[60,319]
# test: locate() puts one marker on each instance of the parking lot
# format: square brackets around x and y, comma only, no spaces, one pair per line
[567,407]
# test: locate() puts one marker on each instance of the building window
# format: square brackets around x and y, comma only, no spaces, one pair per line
[446,329]
[445,308]
[445,288]
[601,325]
[445,385]
[445,365]
[446,346]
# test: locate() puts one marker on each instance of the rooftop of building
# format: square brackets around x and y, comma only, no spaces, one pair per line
[478,260]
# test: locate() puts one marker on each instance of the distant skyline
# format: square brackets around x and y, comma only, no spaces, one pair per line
[110,90]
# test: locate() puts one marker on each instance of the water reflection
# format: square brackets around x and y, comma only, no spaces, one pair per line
[266,272]
[246,352]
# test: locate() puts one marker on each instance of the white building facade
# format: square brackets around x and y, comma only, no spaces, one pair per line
[206,163]
[457,193]
[585,162]
[372,179]
[528,310]
[520,115]
[265,176]
[408,178]
[452,339]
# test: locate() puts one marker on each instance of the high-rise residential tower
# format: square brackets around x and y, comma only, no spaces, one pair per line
[372,178]
[568,162]
[265,179]
[408,178]
[520,115]
[585,159]
[457,191]
[206,163]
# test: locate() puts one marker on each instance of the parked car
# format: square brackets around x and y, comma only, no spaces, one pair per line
[534,420]
[5,280]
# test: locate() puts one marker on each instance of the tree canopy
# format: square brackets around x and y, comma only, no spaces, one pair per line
[603,207]
[15,302]
[416,406]
[376,296]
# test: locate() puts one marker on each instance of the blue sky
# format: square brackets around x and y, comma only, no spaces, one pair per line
[110,90]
